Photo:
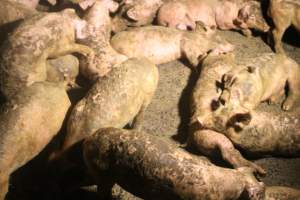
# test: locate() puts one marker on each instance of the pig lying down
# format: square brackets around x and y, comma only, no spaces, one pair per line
[161,44]
[137,160]
[28,121]
[114,100]
[43,36]
[225,15]
[284,13]
[238,121]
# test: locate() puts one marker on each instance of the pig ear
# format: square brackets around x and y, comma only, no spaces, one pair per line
[132,13]
[244,13]
[228,79]
[85,4]
[113,6]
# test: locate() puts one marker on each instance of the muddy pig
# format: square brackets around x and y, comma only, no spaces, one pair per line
[161,44]
[283,13]
[43,36]
[63,69]
[12,11]
[114,100]
[281,193]
[151,168]
[28,121]
[135,13]
[222,14]
[204,101]
[98,33]
[264,79]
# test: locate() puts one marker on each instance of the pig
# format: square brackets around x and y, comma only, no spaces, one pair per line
[114,100]
[135,13]
[162,44]
[283,13]
[151,168]
[222,14]
[98,33]
[11,11]
[28,3]
[43,36]
[204,101]
[63,69]
[263,80]
[28,121]
[281,193]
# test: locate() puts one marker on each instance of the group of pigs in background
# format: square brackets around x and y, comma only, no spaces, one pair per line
[38,65]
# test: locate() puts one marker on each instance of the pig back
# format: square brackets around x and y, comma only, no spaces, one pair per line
[158,44]
[114,99]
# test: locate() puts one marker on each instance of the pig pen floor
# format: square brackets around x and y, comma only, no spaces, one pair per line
[168,114]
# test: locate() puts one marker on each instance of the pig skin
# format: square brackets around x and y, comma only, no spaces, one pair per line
[43,36]
[137,160]
[28,121]
[114,100]
[161,44]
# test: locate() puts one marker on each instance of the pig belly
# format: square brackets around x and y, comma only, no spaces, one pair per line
[157,47]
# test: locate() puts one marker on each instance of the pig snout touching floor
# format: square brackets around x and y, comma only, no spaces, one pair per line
[28,121]
[114,100]
[284,13]
[224,15]
[46,35]
[244,90]
[161,44]
[137,160]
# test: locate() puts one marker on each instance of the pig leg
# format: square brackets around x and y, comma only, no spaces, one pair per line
[247,32]
[275,97]
[281,24]
[294,84]
[138,120]
[207,141]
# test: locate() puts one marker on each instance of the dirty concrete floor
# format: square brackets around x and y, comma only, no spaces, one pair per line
[168,114]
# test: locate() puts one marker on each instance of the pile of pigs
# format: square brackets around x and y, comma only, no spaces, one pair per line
[112,48]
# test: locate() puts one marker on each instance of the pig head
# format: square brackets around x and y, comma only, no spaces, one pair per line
[250,16]
[241,94]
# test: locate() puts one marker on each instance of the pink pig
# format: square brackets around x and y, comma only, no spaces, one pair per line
[222,14]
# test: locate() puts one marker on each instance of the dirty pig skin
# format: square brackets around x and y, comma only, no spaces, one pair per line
[204,101]
[263,80]
[162,44]
[28,121]
[43,36]
[98,33]
[284,13]
[114,100]
[138,160]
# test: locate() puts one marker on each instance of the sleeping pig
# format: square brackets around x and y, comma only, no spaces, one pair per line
[162,44]
[283,13]
[222,14]
[28,121]
[114,100]
[151,168]
[97,36]
[43,36]
[204,101]
[264,79]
